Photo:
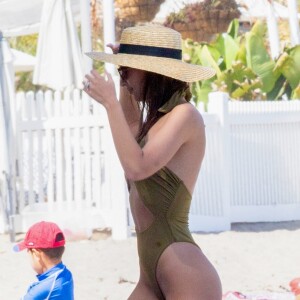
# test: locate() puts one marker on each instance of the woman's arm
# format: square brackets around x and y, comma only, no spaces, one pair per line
[141,163]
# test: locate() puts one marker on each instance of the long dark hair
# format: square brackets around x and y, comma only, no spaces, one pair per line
[157,90]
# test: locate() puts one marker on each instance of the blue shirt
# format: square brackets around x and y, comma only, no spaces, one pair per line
[56,284]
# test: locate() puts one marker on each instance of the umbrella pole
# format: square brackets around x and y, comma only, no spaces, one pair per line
[109,30]
[9,210]
[6,170]
[86,36]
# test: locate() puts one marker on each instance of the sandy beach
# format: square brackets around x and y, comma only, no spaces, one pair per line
[254,259]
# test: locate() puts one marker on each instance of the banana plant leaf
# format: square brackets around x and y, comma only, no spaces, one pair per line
[231,79]
[233,29]
[279,89]
[296,93]
[289,65]
[209,58]
[259,60]
[191,50]
[241,54]
[259,28]
[231,50]
[228,48]
[201,90]
[246,89]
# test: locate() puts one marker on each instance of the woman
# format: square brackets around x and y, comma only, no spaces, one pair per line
[161,155]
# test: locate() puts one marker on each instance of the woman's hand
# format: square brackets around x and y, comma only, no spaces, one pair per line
[101,88]
[114,48]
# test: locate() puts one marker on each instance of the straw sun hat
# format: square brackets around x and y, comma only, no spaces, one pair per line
[156,49]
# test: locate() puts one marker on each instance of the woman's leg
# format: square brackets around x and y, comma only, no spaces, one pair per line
[183,272]
[142,290]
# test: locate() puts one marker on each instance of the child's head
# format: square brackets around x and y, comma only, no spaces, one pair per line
[44,242]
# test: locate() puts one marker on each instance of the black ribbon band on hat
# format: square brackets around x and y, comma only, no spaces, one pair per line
[150,51]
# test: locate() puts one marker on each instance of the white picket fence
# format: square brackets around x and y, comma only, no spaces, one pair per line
[68,171]
[66,163]
[251,170]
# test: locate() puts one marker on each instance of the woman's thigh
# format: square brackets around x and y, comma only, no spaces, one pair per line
[142,291]
[183,272]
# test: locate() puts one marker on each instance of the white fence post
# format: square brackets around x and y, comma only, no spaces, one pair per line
[118,194]
[118,187]
[48,135]
[272,30]
[120,228]
[218,104]
[294,22]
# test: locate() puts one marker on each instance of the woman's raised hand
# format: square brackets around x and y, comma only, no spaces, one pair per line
[101,88]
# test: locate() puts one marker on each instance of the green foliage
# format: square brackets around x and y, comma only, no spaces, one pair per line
[98,46]
[244,68]
[241,81]
[296,93]
[258,58]
[288,64]
[27,44]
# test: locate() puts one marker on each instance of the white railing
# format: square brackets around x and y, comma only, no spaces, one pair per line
[68,170]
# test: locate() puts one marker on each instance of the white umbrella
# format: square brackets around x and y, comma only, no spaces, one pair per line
[7,95]
[59,58]
[19,17]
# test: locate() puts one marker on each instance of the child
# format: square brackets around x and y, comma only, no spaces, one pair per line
[45,242]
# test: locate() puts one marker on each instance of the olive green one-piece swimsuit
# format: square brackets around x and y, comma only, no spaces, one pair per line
[167,198]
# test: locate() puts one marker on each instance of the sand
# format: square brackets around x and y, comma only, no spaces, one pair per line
[254,259]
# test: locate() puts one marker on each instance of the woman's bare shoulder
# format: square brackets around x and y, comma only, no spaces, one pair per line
[188,113]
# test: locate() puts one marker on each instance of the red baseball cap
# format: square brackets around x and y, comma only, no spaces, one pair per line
[42,235]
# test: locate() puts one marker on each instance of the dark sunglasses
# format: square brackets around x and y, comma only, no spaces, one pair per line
[123,71]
